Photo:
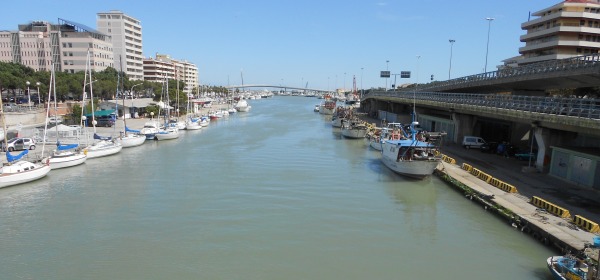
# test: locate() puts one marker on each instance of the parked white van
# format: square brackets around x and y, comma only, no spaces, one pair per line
[472,142]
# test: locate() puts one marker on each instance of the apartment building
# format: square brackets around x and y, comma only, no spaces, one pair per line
[570,28]
[126,35]
[39,44]
[156,69]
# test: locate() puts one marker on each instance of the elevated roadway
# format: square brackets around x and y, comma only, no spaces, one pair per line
[275,86]
[576,72]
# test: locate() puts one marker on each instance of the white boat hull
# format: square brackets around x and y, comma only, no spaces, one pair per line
[166,135]
[354,133]
[11,179]
[102,149]
[193,126]
[412,168]
[58,161]
[326,111]
[337,122]
[375,145]
[132,140]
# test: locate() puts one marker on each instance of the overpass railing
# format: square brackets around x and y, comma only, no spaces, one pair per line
[561,65]
[573,107]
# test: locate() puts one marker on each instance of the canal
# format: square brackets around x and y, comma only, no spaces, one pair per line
[274,193]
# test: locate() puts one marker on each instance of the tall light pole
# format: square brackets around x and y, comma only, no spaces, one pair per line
[487,47]
[38,91]
[386,69]
[344,83]
[361,86]
[450,68]
[28,95]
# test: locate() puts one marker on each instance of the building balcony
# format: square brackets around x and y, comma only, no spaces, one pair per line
[561,43]
[554,16]
[559,29]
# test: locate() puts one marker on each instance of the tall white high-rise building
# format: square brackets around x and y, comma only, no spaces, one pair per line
[126,35]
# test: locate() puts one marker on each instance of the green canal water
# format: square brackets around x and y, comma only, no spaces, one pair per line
[274,193]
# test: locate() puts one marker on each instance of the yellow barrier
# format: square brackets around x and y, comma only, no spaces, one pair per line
[448,159]
[586,224]
[467,167]
[481,175]
[502,185]
[551,207]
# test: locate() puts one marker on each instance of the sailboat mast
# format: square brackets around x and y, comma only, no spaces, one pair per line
[119,77]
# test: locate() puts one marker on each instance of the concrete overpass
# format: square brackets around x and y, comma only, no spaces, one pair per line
[576,72]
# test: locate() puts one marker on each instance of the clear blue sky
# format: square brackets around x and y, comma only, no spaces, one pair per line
[322,42]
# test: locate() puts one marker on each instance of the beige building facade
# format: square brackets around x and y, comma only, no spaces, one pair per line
[126,37]
[568,29]
[155,69]
[40,43]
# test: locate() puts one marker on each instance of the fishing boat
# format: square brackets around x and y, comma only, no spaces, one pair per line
[327,106]
[393,131]
[354,129]
[64,155]
[339,115]
[102,146]
[567,267]
[416,156]
[317,108]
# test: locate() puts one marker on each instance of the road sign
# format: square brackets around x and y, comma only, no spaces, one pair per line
[404,74]
[385,74]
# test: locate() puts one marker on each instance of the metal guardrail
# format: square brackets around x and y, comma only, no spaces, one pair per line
[560,106]
[562,65]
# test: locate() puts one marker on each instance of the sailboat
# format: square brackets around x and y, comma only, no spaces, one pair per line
[19,171]
[64,155]
[104,146]
[191,122]
[175,121]
[129,137]
[166,132]
[242,105]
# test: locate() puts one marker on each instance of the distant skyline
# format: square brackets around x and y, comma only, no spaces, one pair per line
[322,43]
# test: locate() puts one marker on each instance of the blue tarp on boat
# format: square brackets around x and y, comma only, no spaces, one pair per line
[12,158]
[131,130]
[96,136]
[61,147]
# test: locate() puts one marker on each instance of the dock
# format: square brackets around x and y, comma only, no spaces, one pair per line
[554,230]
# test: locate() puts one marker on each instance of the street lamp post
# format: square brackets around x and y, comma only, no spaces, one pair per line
[450,68]
[386,69]
[361,86]
[28,95]
[38,91]
[131,90]
[487,47]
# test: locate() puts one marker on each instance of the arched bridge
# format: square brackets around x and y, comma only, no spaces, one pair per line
[275,86]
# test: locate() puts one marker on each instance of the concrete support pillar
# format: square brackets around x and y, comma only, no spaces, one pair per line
[542,139]
[463,126]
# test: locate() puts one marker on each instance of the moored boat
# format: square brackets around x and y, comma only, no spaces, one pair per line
[416,156]
[242,106]
[567,267]
[354,129]
[21,171]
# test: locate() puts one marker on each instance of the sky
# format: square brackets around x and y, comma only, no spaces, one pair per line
[316,44]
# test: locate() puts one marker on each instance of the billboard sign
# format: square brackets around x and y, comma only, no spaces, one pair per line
[385,74]
[404,74]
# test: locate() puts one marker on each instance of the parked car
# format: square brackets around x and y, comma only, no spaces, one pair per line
[472,142]
[526,156]
[489,147]
[18,144]
[105,121]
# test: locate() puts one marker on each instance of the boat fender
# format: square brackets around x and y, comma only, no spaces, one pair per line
[525,229]
[85,152]
[48,161]
[545,241]
[535,235]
